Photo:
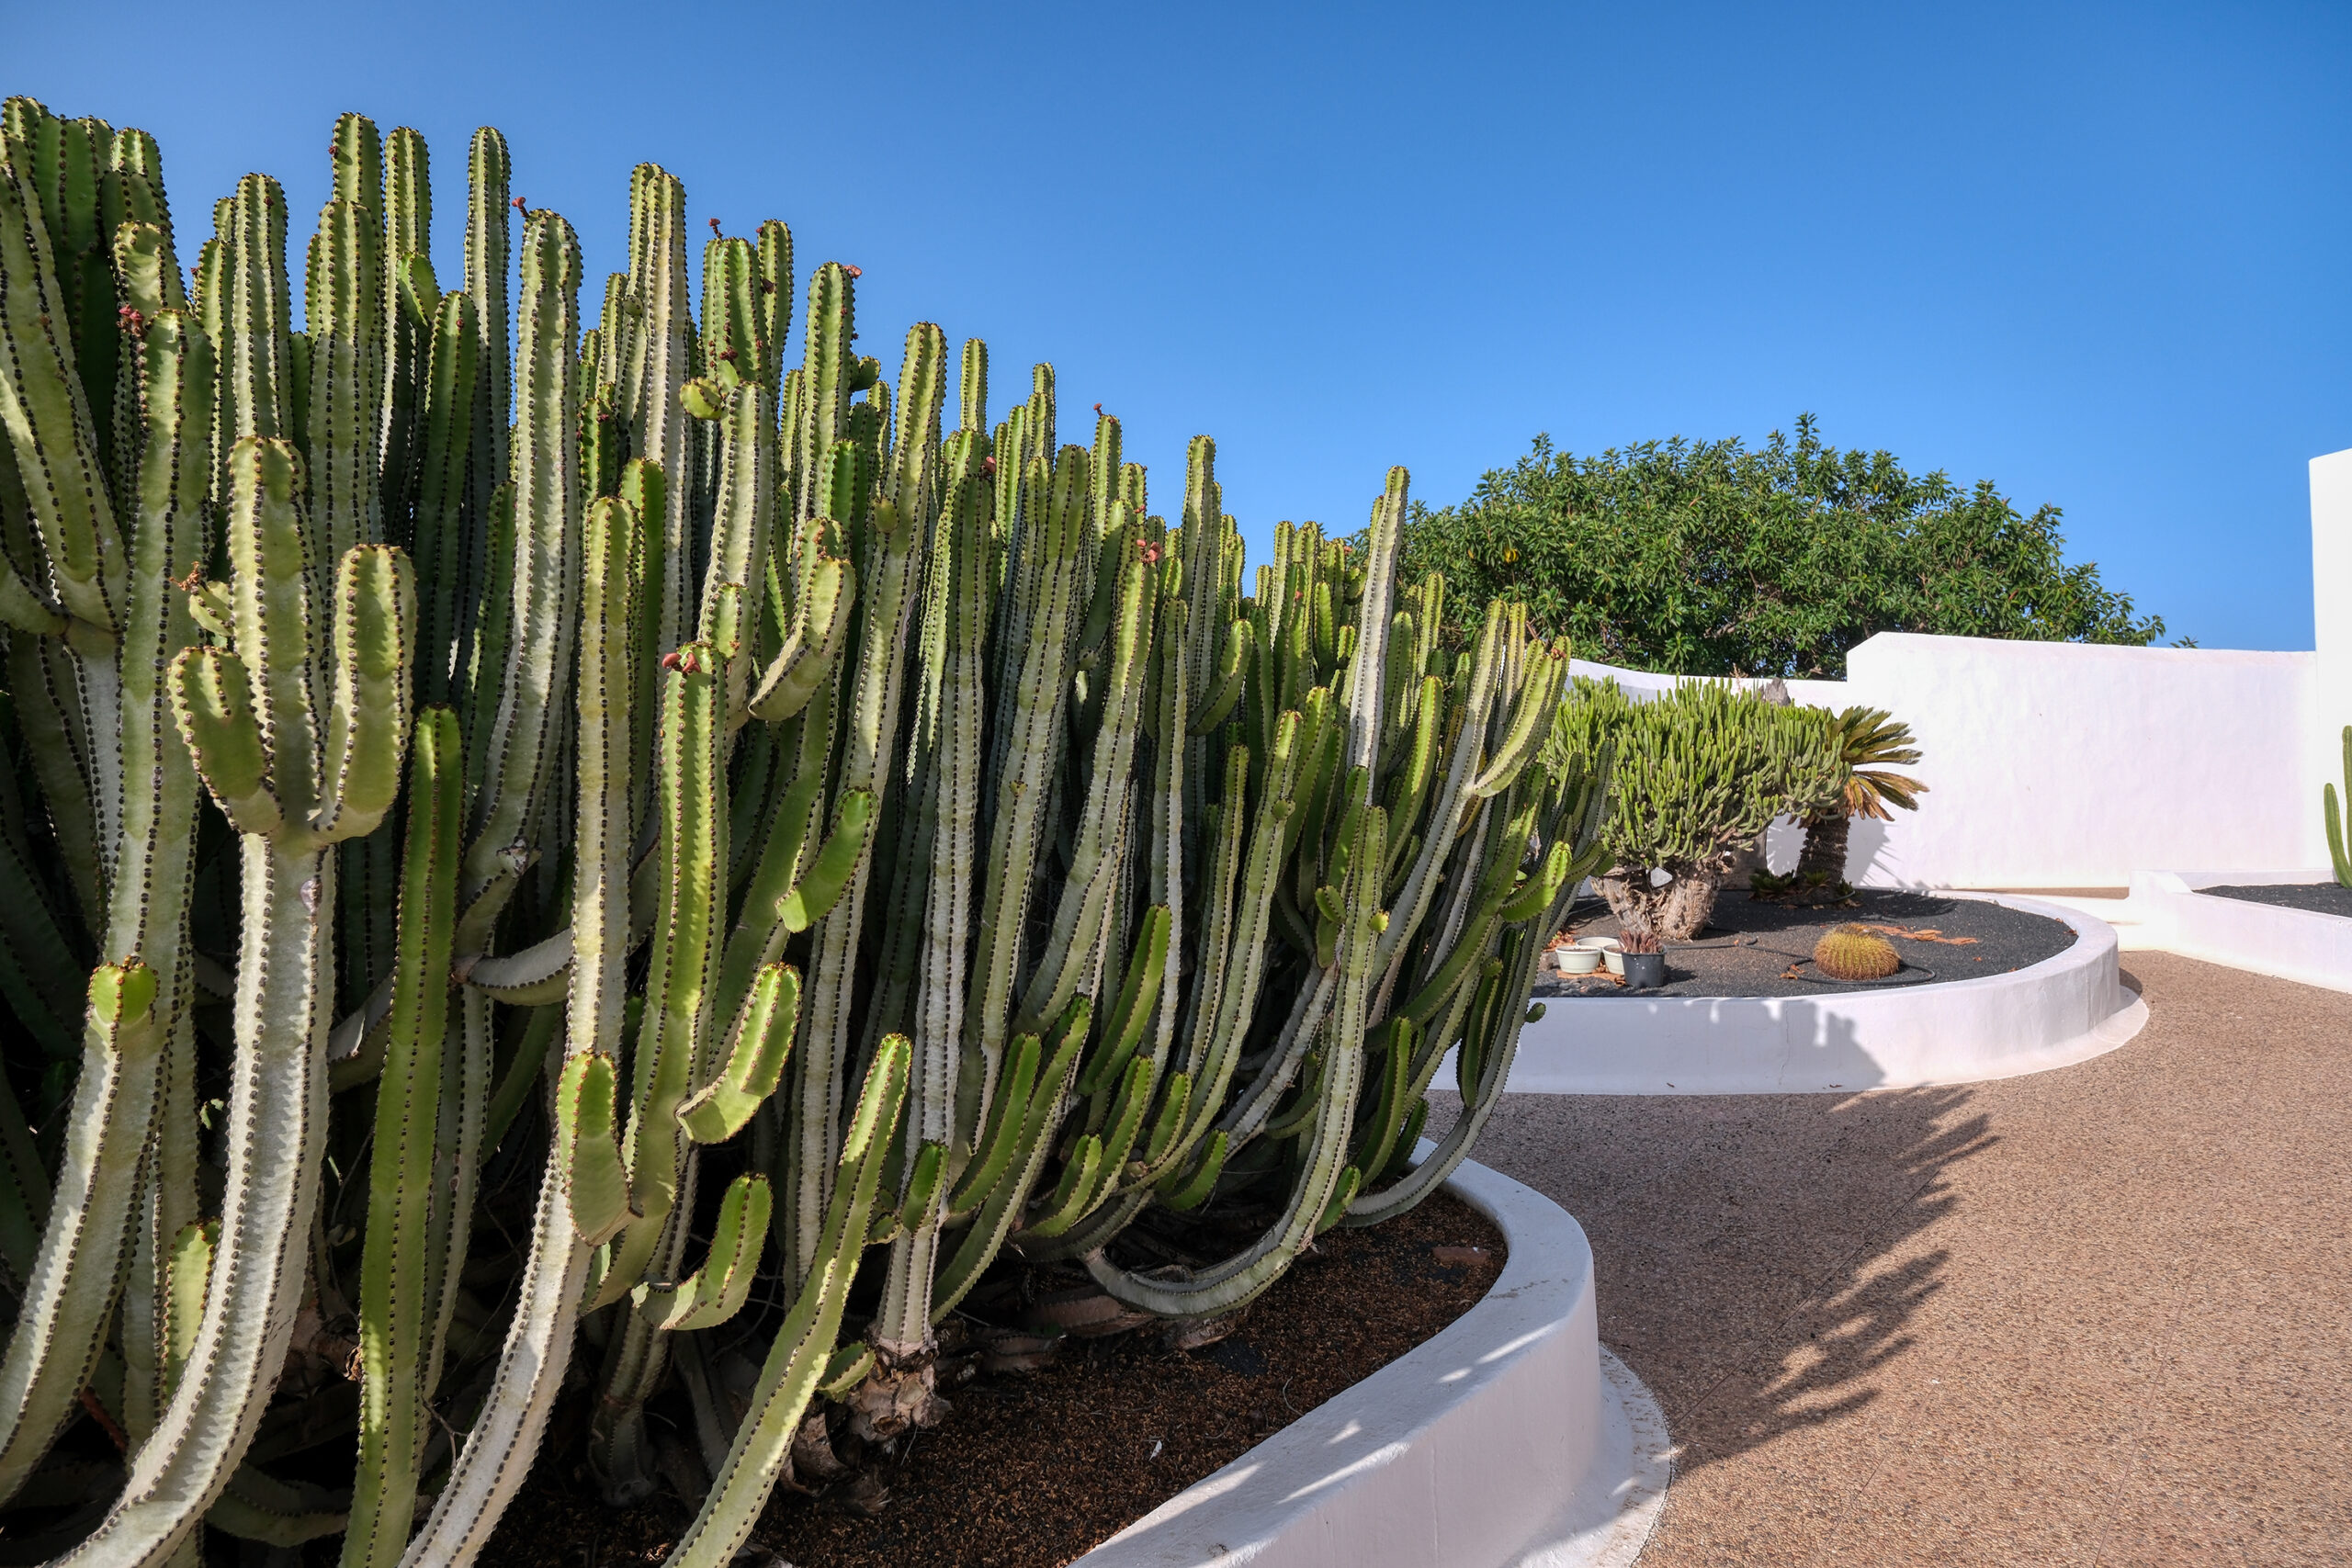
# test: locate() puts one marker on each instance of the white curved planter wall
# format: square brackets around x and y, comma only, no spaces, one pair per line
[2264,939]
[2063,1010]
[1500,1443]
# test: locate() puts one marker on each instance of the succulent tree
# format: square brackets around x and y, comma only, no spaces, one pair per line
[649,839]
[1700,770]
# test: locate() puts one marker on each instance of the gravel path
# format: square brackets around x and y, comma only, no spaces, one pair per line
[2098,1315]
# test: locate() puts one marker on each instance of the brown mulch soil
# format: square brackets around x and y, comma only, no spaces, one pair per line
[1033,1470]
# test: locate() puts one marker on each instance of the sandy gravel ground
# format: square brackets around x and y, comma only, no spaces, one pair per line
[2098,1315]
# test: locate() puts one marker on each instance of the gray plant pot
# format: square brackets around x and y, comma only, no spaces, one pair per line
[1644,971]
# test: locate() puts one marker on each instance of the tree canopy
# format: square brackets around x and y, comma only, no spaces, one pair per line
[1713,557]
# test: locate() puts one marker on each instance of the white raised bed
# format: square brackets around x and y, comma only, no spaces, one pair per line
[2063,1010]
[2293,944]
[1511,1440]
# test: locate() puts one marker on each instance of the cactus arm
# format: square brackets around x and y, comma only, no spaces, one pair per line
[47,415]
[61,1327]
[802,1350]
[1090,1175]
[1085,899]
[546,528]
[368,724]
[447,423]
[410,297]
[1232,678]
[1138,998]
[151,906]
[717,1290]
[900,1393]
[253,340]
[275,1136]
[891,589]
[738,543]
[587,1148]
[488,246]
[1023,772]
[213,705]
[2334,820]
[757,936]
[670,1042]
[1324,1177]
[1522,960]
[274,615]
[812,647]
[538,976]
[25,610]
[1538,702]
[1001,1207]
[1365,712]
[1379,1140]
[479,673]
[497,1454]
[760,1043]
[136,1000]
[258,1507]
[392,1298]
[347,379]
[1412,904]
[1000,1139]
[658,422]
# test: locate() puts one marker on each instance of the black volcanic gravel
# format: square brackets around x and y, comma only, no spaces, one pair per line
[2318,898]
[1752,949]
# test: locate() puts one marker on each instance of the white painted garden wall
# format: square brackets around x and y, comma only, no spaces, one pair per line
[2061,766]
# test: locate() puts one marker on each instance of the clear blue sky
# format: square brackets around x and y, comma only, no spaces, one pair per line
[2094,253]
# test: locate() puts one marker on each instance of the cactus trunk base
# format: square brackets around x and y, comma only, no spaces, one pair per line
[901,1394]
[1676,912]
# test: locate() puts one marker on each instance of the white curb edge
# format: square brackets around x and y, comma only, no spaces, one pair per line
[2070,1007]
[1509,1440]
[2302,945]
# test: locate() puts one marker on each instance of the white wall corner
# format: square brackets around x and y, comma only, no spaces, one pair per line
[2331,699]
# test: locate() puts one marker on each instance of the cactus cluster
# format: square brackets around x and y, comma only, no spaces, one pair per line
[590,860]
[1850,952]
[1700,770]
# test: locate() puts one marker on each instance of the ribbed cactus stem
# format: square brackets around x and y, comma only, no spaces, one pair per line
[393,1319]
[538,663]
[489,1469]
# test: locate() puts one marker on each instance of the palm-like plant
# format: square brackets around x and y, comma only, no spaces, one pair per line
[1869,741]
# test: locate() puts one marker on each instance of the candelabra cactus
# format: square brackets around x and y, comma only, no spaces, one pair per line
[823,832]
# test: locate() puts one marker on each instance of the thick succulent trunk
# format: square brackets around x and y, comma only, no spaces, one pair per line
[1676,911]
[1746,862]
[1825,849]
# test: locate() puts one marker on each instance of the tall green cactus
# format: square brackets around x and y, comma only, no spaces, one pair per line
[823,831]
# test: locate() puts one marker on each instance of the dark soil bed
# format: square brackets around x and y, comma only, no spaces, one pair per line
[1755,948]
[2316,897]
[1034,1469]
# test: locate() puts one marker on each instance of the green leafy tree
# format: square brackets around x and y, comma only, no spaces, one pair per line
[1713,557]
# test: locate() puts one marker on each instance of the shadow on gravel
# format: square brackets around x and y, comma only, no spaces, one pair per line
[1743,1244]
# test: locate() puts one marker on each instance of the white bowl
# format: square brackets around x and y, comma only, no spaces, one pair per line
[1607,947]
[1575,960]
